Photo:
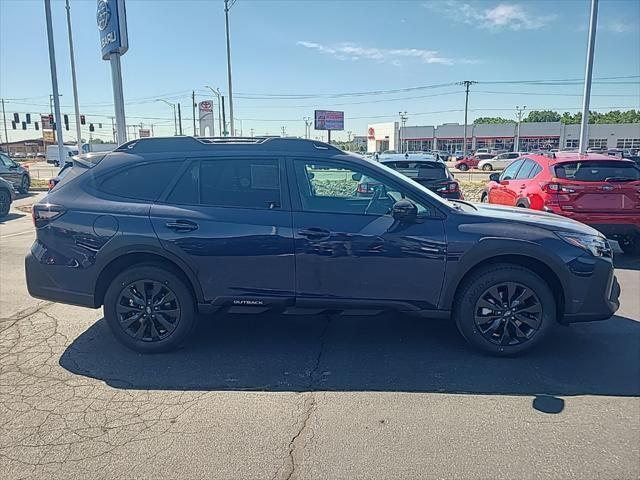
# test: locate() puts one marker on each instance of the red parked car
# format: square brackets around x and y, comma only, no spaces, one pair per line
[599,190]
[472,162]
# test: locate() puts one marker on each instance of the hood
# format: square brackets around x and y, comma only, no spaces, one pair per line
[549,221]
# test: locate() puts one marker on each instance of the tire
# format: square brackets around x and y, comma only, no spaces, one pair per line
[484,198]
[631,246]
[153,332]
[463,168]
[538,307]
[487,167]
[25,184]
[5,203]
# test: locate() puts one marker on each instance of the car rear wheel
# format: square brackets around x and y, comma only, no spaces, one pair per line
[5,203]
[149,309]
[630,245]
[504,309]
[463,168]
[487,167]
[25,184]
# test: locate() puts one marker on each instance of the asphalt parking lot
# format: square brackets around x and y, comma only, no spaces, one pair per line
[259,397]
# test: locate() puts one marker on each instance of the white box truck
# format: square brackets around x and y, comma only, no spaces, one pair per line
[53,154]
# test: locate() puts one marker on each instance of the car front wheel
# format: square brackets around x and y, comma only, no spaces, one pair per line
[630,245]
[25,184]
[149,309]
[504,309]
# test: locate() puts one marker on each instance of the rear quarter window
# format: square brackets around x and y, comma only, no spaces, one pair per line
[597,171]
[141,182]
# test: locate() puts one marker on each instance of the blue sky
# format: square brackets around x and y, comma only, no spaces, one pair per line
[318,48]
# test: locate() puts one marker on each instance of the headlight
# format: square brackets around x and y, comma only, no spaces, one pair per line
[597,245]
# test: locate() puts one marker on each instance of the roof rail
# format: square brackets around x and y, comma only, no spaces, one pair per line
[194,144]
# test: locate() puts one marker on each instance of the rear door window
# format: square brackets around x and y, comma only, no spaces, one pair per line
[597,171]
[525,170]
[510,172]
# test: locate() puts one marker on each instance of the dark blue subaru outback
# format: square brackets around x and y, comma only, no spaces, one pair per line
[164,228]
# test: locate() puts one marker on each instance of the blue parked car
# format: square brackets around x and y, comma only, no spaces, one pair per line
[164,228]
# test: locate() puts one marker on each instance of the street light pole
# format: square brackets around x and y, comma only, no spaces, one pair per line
[403,123]
[175,121]
[217,93]
[227,5]
[519,112]
[76,105]
[54,78]
[584,125]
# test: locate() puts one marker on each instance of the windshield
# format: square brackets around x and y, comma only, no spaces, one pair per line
[436,199]
[597,171]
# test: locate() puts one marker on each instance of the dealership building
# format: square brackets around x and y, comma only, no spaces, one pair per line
[450,136]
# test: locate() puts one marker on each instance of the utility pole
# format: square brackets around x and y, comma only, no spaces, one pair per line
[252,132]
[584,124]
[403,122]
[175,121]
[216,92]
[76,105]
[519,112]
[6,135]
[224,132]
[113,128]
[152,134]
[179,119]
[284,131]
[227,5]
[349,137]
[54,77]
[467,84]
[193,104]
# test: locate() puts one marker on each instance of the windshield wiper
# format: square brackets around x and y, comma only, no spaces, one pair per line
[619,179]
[458,207]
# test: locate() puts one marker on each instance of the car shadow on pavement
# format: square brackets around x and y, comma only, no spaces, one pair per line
[381,353]
[11,216]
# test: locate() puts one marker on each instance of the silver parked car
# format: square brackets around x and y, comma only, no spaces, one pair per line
[498,162]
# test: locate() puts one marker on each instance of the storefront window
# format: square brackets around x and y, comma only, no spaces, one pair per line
[628,143]
[571,143]
[597,143]
[543,143]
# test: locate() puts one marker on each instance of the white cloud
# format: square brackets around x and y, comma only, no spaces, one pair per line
[509,16]
[392,56]
[618,26]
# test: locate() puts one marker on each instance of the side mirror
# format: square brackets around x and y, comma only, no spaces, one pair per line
[356,177]
[404,211]
[494,177]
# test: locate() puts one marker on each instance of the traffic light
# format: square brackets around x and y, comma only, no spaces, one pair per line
[35,124]
[28,115]
[91,128]
[66,119]
[16,118]
[82,120]
[24,125]
[13,124]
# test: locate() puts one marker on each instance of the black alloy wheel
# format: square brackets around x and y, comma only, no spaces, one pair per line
[148,310]
[508,313]
[25,184]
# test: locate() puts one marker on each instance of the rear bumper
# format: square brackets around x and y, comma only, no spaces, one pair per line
[41,285]
[595,296]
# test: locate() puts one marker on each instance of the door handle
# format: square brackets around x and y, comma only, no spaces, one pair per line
[182,225]
[314,233]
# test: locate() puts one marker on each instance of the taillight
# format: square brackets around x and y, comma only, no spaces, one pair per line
[44,213]
[449,187]
[364,188]
[555,187]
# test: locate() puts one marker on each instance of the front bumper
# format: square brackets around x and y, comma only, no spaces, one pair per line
[594,296]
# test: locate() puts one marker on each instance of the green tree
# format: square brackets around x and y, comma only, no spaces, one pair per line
[481,120]
[96,140]
[542,116]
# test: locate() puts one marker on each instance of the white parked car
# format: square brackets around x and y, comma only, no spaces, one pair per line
[498,162]
[409,155]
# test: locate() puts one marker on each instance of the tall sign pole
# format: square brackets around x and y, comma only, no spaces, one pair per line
[584,125]
[111,17]
[54,78]
[73,78]
[227,5]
